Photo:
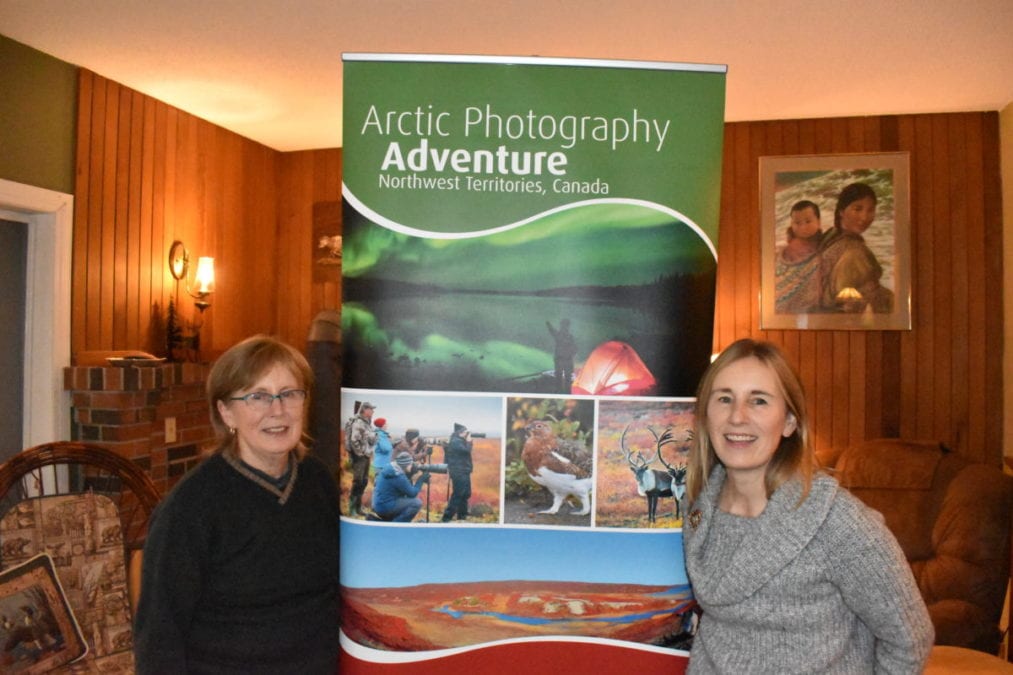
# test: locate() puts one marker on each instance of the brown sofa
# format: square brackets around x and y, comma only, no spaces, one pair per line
[952,518]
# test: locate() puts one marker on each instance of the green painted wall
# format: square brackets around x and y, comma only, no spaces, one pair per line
[38,112]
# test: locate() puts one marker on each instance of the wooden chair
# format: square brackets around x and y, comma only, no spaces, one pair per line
[92,522]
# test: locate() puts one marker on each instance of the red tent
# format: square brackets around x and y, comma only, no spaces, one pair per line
[614,369]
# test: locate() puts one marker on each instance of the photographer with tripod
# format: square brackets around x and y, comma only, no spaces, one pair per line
[457,455]
[395,497]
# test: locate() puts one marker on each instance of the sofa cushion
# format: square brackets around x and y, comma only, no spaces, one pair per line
[82,534]
[897,478]
[952,517]
[971,544]
[38,631]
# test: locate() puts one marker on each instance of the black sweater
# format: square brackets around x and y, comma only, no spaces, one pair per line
[235,581]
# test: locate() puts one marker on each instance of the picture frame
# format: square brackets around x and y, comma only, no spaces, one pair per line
[855,272]
[41,632]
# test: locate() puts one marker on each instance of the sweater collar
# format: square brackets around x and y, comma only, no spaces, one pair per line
[258,477]
[779,535]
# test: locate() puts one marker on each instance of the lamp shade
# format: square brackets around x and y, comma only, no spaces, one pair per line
[205,277]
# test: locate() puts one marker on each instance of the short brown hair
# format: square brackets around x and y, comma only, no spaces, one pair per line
[241,366]
[794,456]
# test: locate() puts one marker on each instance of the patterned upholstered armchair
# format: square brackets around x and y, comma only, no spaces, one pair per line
[88,509]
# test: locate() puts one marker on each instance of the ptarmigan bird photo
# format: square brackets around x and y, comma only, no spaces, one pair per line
[561,466]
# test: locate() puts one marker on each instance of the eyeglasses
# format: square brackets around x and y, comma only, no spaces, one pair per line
[262,401]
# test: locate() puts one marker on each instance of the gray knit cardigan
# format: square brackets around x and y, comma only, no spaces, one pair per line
[821,588]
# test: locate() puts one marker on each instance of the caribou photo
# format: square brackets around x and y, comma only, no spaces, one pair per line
[655,483]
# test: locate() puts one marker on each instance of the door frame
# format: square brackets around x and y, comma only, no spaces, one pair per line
[49,215]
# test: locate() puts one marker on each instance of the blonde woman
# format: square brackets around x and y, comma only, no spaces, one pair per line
[793,573]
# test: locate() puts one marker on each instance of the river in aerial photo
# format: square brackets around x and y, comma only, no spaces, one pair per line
[474,613]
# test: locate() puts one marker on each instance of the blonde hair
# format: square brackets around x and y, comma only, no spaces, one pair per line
[794,457]
[240,367]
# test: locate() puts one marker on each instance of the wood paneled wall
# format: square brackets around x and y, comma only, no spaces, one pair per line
[148,174]
[942,380]
[306,178]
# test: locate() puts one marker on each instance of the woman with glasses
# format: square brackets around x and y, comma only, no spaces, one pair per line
[240,571]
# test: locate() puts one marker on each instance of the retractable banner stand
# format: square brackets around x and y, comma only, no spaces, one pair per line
[528,280]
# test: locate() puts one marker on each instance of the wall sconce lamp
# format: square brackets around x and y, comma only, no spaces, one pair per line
[204,278]
[203,286]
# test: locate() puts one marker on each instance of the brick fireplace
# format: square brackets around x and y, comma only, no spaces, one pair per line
[156,416]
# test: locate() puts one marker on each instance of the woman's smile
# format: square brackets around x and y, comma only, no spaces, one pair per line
[265,436]
[747,416]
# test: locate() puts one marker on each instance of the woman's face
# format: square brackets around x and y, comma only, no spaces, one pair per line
[747,416]
[264,437]
[858,215]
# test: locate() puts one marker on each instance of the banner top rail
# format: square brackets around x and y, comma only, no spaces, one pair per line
[534,60]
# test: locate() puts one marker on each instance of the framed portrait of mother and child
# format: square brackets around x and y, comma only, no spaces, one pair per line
[835,242]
